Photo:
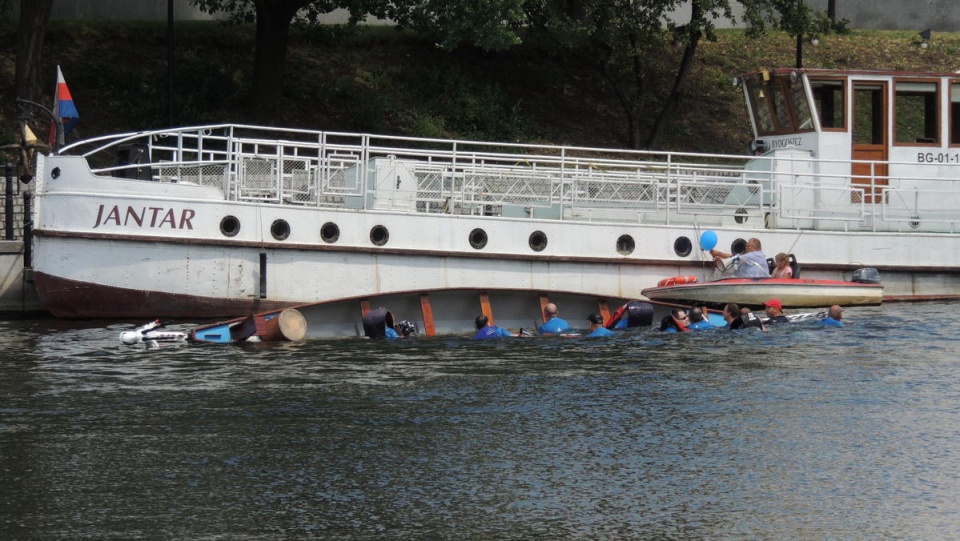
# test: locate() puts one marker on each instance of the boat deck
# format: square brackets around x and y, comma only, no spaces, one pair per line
[402,174]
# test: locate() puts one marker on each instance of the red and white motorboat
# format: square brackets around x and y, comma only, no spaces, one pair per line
[864,290]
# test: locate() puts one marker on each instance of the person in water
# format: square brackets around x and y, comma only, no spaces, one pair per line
[774,310]
[596,328]
[740,318]
[677,321]
[834,317]
[379,324]
[782,269]
[554,323]
[487,330]
[699,320]
[750,264]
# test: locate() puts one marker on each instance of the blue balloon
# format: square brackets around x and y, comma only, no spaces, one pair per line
[708,240]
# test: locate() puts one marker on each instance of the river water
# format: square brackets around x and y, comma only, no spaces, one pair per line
[798,433]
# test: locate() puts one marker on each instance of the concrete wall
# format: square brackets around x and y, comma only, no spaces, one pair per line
[145,10]
[18,296]
[940,15]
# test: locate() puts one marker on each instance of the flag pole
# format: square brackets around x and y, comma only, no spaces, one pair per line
[56,121]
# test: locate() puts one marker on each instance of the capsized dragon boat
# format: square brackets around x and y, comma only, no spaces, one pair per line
[430,313]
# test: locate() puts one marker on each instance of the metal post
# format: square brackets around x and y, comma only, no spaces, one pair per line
[27,230]
[8,203]
[263,275]
[169,63]
[799,50]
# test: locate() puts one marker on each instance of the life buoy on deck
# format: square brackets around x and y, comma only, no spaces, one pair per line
[676,280]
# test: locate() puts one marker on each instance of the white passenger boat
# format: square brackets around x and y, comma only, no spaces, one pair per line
[850,169]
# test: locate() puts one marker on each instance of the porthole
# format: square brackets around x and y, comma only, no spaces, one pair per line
[626,245]
[230,226]
[55,172]
[280,229]
[683,246]
[379,235]
[330,232]
[538,241]
[478,238]
[739,246]
[740,216]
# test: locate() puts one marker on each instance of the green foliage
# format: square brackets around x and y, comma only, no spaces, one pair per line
[377,79]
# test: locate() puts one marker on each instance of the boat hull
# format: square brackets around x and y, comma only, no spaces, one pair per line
[433,313]
[753,292]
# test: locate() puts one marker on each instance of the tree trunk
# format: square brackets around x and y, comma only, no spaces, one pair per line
[34,15]
[832,11]
[273,30]
[679,82]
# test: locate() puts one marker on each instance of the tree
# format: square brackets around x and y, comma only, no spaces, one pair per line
[794,17]
[623,42]
[690,35]
[273,20]
[34,16]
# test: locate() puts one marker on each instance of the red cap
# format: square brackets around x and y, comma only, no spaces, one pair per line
[775,303]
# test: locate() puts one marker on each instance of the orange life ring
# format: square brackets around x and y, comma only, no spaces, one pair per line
[677,280]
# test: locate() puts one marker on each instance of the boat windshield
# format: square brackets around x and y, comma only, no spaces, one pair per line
[779,103]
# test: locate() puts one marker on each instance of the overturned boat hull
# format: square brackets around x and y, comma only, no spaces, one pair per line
[432,313]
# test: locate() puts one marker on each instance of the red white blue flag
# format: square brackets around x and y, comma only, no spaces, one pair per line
[64,109]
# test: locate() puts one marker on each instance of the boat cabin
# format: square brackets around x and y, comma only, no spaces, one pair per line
[864,129]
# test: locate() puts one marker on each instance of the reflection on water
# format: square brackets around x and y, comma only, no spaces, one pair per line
[797,433]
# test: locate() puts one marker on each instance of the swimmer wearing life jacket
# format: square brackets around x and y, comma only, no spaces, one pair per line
[677,321]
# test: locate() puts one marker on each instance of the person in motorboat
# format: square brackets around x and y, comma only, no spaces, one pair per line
[596,328]
[554,323]
[740,318]
[782,269]
[774,310]
[698,320]
[834,317]
[750,264]
[632,314]
[677,321]
[485,329]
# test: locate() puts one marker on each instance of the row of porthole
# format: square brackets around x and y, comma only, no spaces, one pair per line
[683,246]
[379,235]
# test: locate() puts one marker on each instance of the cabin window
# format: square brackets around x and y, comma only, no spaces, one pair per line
[955,113]
[762,112]
[800,105]
[868,107]
[779,104]
[916,113]
[829,96]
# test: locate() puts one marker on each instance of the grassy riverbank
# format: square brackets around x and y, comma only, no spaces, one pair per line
[379,80]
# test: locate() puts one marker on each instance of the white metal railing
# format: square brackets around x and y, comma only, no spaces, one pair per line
[329,169]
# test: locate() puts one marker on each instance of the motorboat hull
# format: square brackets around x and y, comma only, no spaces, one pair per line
[753,292]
